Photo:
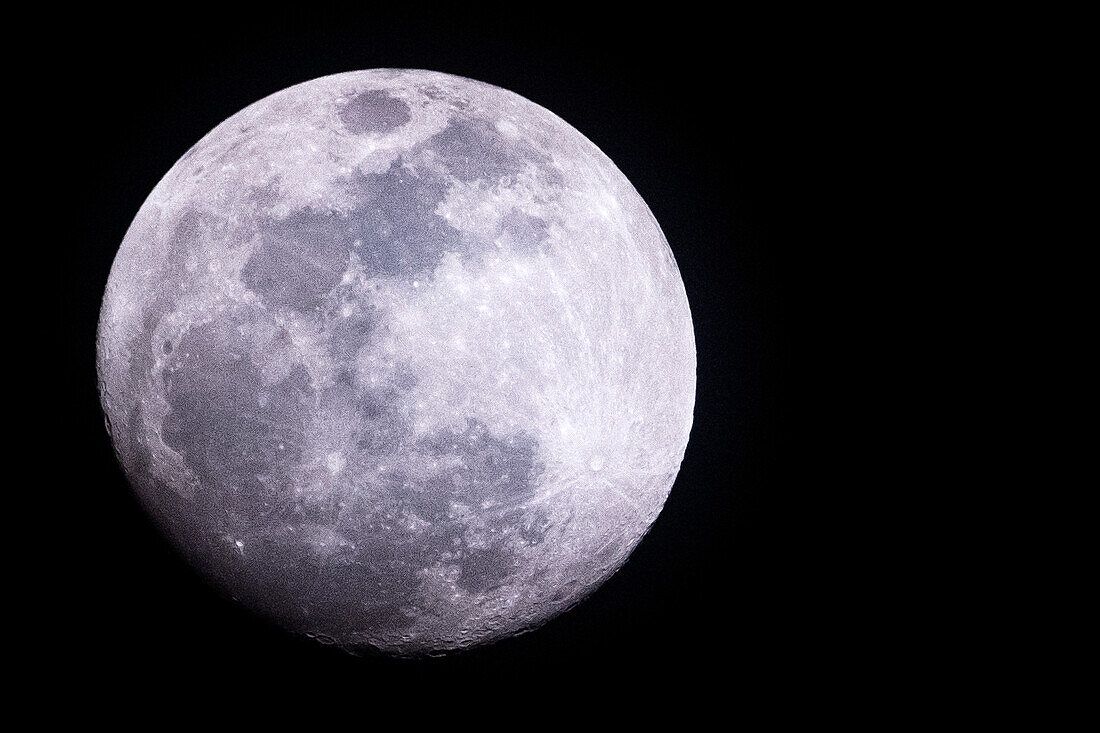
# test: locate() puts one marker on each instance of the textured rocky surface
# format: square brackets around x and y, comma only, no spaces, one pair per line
[398,359]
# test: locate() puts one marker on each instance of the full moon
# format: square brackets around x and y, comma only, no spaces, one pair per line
[398,360]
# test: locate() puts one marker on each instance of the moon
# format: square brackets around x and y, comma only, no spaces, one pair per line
[399,360]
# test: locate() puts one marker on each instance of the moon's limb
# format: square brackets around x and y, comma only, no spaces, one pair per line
[400,359]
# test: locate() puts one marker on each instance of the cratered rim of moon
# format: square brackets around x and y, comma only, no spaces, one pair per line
[399,360]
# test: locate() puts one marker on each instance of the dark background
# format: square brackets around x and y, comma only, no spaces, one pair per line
[717,121]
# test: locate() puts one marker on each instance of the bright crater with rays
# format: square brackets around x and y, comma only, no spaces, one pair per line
[399,360]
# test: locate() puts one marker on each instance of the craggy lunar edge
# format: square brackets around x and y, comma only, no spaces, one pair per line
[400,360]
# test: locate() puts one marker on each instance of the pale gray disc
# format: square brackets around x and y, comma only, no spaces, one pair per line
[398,359]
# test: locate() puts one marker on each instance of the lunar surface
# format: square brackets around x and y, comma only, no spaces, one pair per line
[399,360]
